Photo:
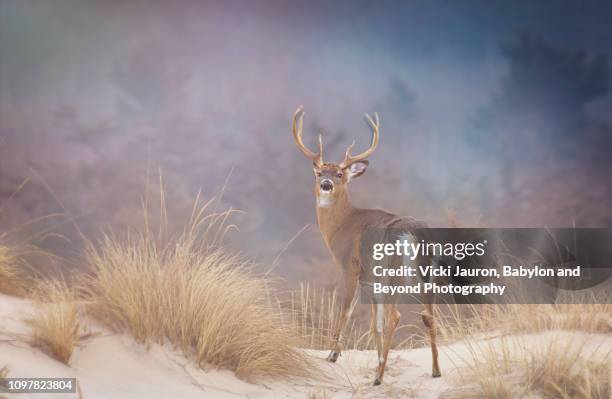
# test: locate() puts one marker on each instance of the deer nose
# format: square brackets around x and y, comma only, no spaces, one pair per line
[327,186]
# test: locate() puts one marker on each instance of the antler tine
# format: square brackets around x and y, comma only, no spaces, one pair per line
[297,128]
[375,125]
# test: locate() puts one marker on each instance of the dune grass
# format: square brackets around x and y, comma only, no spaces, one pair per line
[458,321]
[56,325]
[319,394]
[530,350]
[12,281]
[191,293]
[554,366]
[313,313]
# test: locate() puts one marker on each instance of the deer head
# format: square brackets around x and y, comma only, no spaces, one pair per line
[331,179]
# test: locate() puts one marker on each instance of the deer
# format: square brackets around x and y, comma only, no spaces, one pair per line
[342,226]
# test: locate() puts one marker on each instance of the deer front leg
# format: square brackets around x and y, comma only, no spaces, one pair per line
[348,301]
[392,318]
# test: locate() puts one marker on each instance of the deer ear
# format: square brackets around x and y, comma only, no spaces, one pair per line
[357,169]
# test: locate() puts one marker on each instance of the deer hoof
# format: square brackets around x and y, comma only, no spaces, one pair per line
[436,374]
[377,381]
[333,356]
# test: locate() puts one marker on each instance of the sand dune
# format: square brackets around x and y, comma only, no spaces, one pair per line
[114,366]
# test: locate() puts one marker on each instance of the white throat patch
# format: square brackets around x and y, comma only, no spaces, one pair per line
[325,200]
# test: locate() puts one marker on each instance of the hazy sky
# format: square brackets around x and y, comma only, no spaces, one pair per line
[119,71]
[336,57]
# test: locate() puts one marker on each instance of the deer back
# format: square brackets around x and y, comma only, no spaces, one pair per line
[352,244]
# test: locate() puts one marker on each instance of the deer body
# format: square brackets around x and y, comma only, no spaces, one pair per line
[343,227]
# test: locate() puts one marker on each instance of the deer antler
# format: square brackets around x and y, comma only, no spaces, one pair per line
[298,124]
[348,159]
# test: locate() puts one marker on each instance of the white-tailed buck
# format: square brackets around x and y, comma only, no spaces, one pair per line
[343,226]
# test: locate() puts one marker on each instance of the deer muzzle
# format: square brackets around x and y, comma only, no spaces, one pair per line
[326,186]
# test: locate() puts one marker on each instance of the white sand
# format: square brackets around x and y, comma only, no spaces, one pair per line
[114,366]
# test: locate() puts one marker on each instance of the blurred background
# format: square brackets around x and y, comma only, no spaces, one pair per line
[498,113]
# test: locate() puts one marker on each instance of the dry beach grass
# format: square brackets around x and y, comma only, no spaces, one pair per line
[12,280]
[191,293]
[56,325]
[548,351]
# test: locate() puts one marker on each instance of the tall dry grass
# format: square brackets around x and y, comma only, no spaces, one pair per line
[314,312]
[12,280]
[551,366]
[530,350]
[186,290]
[319,394]
[458,321]
[56,325]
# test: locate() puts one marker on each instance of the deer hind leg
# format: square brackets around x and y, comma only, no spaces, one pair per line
[349,300]
[392,318]
[428,320]
[378,324]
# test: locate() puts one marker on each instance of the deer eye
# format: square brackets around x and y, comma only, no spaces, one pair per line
[318,174]
[339,174]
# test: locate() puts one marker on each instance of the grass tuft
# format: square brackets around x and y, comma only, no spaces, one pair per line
[518,366]
[459,321]
[12,282]
[314,313]
[319,394]
[56,323]
[189,292]
[529,350]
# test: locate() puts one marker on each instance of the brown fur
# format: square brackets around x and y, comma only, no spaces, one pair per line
[343,227]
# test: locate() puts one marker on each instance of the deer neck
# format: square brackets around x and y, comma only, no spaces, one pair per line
[332,213]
